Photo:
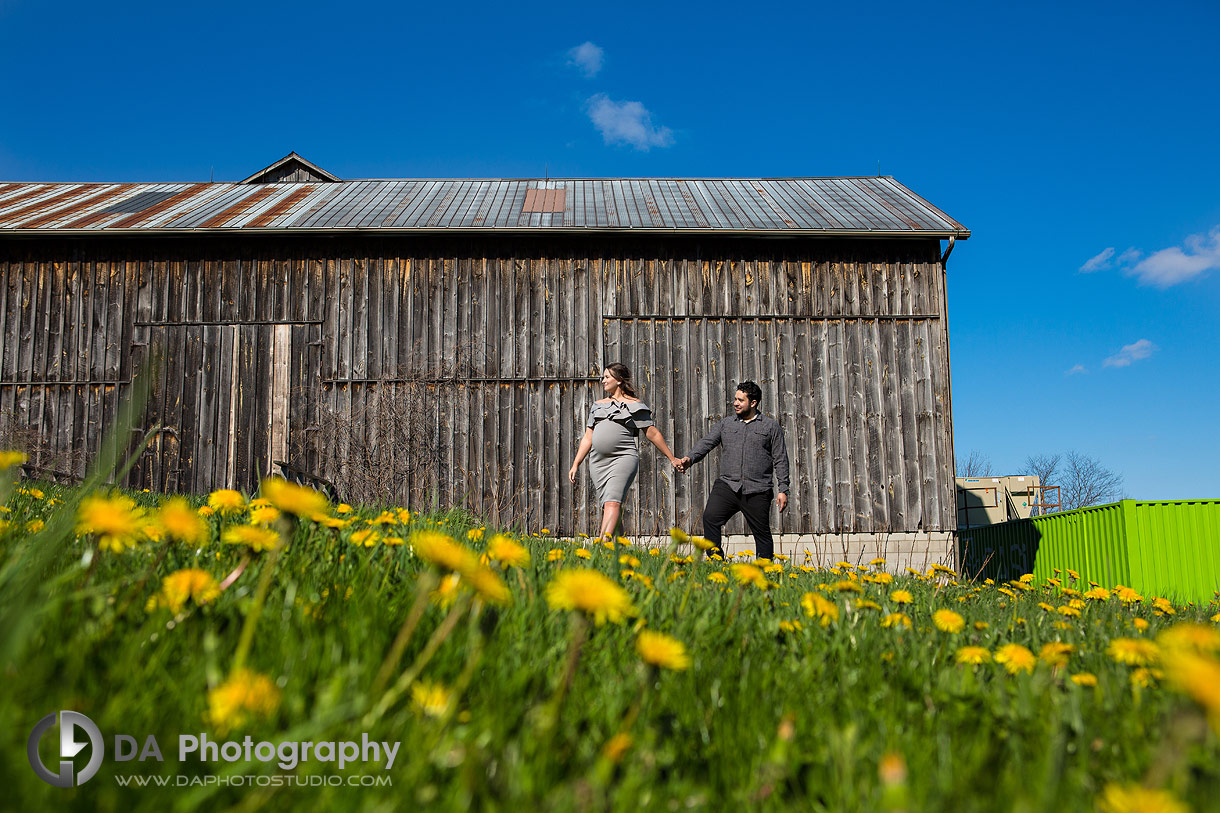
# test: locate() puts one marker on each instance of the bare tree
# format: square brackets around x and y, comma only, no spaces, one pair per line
[1087,482]
[1082,480]
[976,464]
[1044,467]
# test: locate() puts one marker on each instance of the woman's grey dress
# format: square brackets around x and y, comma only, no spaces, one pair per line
[615,457]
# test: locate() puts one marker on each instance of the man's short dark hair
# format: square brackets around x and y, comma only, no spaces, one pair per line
[753,391]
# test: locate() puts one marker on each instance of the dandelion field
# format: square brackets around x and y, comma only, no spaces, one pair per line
[522,671]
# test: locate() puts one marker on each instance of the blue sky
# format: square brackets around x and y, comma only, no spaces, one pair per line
[1080,144]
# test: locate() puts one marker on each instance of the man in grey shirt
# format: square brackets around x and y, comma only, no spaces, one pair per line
[752,451]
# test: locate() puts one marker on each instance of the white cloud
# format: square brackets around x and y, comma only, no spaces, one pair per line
[1099,262]
[627,123]
[1129,257]
[1169,266]
[1130,353]
[1079,368]
[588,58]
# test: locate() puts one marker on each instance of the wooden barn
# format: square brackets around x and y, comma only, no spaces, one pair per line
[439,342]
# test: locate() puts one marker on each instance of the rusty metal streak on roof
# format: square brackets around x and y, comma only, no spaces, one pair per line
[40,206]
[157,209]
[772,206]
[69,211]
[279,207]
[239,208]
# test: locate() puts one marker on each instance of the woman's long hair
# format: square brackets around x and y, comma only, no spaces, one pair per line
[623,376]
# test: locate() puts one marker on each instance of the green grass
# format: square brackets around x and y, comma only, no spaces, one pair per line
[763,719]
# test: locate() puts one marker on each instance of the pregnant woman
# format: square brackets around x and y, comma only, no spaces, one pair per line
[610,440]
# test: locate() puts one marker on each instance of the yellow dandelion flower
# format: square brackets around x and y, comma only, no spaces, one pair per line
[1164,606]
[948,621]
[116,521]
[254,537]
[555,554]
[1071,612]
[884,578]
[475,535]
[1027,578]
[901,597]
[1133,651]
[182,522]
[878,562]
[628,560]
[294,499]
[263,514]
[1015,658]
[227,502]
[896,620]
[404,516]
[679,536]
[867,604]
[385,518]
[36,525]
[823,609]
[446,591]
[590,592]
[366,537]
[1126,595]
[489,586]
[1132,798]
[938,568]
[1084,679]
[1097,594]
[444,552]
[661,650]
[717,577]
[790,626]
[12,457]
[430,699]
[1190,638]
[1140,624]
[981,625]
[343,508]
[748,574]
[243,696]
[392,541]
[1056,653]
[847,587]
[1006,592]
[701,543]
[1145,677]
[503,549]
[583,553]
[973,655]
[206,511]
[616,746]
[190,584]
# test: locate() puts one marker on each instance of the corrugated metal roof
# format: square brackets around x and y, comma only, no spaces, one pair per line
[790,206]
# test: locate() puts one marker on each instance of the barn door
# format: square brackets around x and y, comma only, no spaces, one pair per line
[225,399]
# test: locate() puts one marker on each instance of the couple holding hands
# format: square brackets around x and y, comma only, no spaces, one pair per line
[752,452]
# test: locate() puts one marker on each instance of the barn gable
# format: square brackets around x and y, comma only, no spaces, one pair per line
[292,168]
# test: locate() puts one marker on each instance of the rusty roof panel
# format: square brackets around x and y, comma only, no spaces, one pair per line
[798,206]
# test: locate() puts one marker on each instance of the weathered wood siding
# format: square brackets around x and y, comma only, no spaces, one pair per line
[504,336]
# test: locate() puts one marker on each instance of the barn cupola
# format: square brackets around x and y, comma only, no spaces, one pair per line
[292,168]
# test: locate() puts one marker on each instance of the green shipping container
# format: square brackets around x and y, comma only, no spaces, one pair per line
[1165,548]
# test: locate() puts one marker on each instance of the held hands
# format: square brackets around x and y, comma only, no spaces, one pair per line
[682,464]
